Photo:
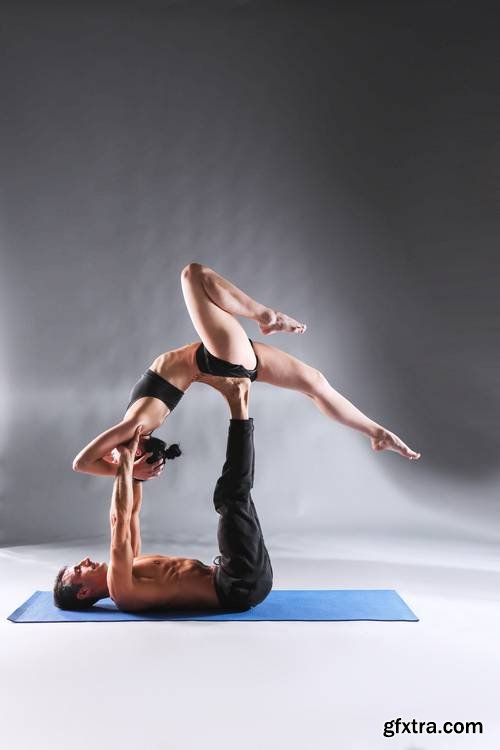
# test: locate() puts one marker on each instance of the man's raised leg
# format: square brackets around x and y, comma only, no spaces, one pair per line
[244,576]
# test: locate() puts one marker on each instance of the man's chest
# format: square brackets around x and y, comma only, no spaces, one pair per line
[153,567]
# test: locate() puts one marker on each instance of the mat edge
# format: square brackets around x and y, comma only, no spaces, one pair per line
[23,607]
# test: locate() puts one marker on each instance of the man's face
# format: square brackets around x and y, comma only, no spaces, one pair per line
[92,575]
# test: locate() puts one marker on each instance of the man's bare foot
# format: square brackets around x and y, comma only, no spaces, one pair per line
[388,441]
[277,322]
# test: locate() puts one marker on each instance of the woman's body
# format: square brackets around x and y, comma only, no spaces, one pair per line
[213,302]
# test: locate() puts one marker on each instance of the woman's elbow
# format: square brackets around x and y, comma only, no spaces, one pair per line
[78,464]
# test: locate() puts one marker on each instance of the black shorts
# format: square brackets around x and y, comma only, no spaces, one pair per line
[244,575]
[214,366]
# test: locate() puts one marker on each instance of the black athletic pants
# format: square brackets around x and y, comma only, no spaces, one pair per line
[244,576]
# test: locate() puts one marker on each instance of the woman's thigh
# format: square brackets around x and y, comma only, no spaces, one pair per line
[221,333]
[281,369]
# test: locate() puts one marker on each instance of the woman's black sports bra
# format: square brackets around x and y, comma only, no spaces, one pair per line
[152,384]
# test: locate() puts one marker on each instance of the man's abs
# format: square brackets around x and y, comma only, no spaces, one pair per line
[173,582]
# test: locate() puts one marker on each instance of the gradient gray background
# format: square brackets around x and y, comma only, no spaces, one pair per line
[338,161]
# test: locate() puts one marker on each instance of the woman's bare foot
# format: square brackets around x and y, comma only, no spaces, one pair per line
[388,441]
[272,321]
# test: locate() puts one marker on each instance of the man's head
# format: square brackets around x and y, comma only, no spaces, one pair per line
[82,585]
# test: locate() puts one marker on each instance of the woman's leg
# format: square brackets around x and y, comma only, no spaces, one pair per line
[212,303]
[281,369]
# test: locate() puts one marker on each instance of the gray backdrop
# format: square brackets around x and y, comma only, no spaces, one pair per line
[339,161]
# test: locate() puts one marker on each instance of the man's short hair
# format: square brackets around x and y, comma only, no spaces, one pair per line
[65,594]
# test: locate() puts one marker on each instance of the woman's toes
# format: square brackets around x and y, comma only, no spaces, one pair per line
[389,441]
[411,454]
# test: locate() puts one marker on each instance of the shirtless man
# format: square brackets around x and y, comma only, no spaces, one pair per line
[241,575]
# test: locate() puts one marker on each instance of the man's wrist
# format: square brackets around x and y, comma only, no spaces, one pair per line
[126,464]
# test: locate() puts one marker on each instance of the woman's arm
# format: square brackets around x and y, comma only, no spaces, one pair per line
[94,458]
[90,460]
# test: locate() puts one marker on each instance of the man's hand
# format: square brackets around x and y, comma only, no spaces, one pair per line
[145,471]
[128,450]
[140,468]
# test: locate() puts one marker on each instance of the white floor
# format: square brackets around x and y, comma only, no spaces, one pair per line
[254,686]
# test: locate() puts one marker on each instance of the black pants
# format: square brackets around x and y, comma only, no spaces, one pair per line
[244,576]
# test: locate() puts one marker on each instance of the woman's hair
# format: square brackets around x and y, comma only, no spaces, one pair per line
[160,450]
[173,451]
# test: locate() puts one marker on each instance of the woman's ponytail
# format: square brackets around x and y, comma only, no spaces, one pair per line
[173,451]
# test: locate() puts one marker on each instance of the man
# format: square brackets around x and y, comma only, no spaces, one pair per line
[242,574]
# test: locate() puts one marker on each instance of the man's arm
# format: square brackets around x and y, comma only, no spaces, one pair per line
[135,523]
[120,581]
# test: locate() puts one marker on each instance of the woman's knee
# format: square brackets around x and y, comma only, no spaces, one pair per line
[192,272]
[316,383]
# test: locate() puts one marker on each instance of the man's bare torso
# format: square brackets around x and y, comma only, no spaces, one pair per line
[169,582]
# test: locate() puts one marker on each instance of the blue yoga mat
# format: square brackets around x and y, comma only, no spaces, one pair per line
[281,604]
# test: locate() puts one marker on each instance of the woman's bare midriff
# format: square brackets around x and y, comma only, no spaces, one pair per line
[178,366]
[180,369]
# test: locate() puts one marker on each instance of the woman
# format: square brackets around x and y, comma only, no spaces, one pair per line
[213,302]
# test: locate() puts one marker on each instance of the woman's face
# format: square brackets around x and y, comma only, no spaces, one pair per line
[142,448]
